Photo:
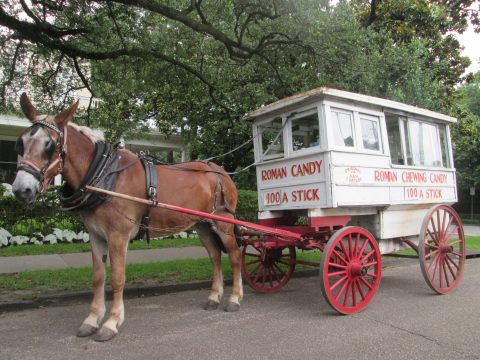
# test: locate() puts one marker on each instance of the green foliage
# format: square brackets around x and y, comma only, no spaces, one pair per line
[247,208]
[20,219]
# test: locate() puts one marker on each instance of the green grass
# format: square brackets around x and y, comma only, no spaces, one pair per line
[471,243]
[64,248]
[164,272]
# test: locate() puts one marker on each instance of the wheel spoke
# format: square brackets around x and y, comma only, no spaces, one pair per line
[433,237]
[362,293]
[254,270]
[355,250]
[253,255]
[340,256]
[453,262]
[279,270]
[270,277]
[338,266]
[350,246]
[344,251]
[366,282]
[362,249]
[345,298]
[342,289]
[338,283]
[367,256]
[445,272]
[455,242]
[354,293]
[370,264]
[336,273]
[253,262]
[429,255]
[433,262]
[450,268]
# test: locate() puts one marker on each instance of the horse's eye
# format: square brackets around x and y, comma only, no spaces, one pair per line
[49,148]
[19,146]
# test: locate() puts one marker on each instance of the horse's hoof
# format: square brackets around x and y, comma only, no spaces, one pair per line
[232,307]
[104,334]
[86,330]
[211,305]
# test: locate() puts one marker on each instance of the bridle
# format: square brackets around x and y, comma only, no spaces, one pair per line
[52,168]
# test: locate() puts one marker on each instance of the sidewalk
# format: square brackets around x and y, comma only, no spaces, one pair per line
[15,264]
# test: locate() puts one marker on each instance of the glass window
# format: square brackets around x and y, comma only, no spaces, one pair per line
[8,161]
[305,132]
[370,135]
[425,141]
[271,137]
[394,139]
[444,145]
[417,143]
[343,128]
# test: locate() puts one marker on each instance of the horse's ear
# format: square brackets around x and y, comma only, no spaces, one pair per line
[28,109]
[64,117]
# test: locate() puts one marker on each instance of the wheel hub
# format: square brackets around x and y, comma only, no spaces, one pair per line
[356,270]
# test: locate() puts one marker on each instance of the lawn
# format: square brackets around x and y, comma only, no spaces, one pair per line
[66,248]
[32,283]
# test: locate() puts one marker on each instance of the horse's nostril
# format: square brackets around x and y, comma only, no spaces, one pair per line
[27,191]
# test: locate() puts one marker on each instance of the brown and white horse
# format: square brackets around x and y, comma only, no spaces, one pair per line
[53,145]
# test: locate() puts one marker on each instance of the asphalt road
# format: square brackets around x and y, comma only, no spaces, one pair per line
[405,321]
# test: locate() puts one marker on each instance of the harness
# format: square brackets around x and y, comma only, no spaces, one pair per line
[54,166]
[101,173]
[149,163]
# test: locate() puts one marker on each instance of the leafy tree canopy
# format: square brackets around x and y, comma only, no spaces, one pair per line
[195,67]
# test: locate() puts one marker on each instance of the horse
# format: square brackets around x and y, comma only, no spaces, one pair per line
[54,145]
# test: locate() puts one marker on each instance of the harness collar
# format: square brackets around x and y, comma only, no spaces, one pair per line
[53,168]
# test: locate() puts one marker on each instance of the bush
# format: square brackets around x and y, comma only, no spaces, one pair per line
[19,219]
[247,208]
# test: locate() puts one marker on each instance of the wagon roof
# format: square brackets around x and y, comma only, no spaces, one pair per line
[319,93]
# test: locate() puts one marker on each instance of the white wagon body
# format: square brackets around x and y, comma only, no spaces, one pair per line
[327,153]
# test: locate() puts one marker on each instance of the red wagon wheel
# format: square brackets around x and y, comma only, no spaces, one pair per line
[350,270]
[267,269]
[442,249]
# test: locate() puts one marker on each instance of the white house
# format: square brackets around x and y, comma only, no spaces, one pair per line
[12,126]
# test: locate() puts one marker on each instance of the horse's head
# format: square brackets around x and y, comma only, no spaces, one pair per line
[42,148]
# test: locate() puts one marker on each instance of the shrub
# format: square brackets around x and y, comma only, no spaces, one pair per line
[247,208]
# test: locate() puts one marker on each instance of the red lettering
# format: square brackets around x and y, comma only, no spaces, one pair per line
[385,176]
[274,174]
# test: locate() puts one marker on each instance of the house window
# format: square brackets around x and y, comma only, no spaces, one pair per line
[271,137]
[305,132]
[8,161]
[343,128]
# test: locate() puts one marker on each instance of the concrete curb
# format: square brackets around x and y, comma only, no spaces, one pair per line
[66,298]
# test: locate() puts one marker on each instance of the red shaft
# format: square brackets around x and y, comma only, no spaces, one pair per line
[263,229]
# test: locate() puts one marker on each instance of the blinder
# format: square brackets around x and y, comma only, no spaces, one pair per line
[50,146]
[44,174]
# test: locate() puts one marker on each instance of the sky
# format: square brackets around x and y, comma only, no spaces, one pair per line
[471,43]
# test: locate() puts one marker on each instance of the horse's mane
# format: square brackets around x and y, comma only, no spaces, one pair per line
[94,135]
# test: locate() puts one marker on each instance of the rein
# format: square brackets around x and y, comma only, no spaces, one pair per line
[43,174]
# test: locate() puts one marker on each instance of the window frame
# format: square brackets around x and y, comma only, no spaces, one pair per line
[406,140]
[260,156]
[298,115]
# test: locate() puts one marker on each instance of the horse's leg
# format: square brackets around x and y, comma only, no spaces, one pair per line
[207,236]
[97,309]
[117,250]
[226,233]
